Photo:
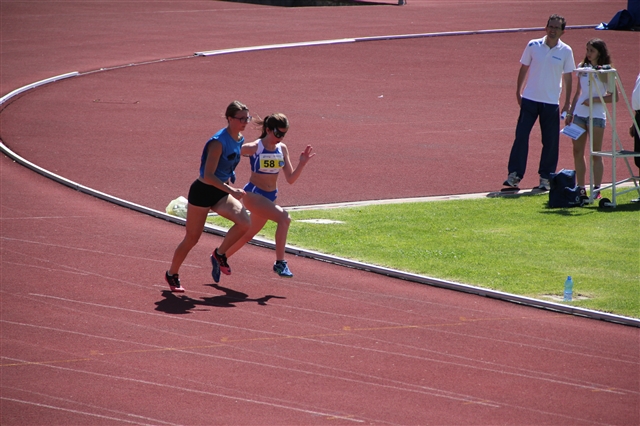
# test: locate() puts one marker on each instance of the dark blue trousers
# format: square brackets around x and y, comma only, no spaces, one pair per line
[549,116]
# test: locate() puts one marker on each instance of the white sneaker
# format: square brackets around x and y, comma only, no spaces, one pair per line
[512,180]
[545,185]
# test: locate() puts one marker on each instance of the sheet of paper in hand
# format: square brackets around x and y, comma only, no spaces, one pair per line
[573,131]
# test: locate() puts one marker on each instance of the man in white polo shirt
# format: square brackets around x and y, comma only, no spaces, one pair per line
[546,64]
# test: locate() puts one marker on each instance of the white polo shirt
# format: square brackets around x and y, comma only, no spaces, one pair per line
[546,66]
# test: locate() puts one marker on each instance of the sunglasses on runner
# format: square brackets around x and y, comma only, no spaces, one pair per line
[278,133]
[246,119]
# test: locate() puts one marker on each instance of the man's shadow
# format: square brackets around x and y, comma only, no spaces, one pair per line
[179,303]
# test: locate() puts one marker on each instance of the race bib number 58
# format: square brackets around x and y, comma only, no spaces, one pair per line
[271,163]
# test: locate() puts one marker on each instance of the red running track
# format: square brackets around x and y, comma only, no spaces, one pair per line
[89,334]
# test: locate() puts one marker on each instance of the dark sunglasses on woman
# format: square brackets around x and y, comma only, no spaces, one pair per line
[278,133]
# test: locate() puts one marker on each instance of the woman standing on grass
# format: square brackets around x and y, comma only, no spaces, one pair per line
[211,191]
[268,157]
[597,55]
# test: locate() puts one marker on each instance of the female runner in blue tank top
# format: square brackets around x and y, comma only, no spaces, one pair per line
[269,156]
[211,190]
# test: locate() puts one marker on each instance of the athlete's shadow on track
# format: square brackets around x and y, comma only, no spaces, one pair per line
[183,304]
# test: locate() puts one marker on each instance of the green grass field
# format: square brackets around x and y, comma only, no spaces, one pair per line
[514,245]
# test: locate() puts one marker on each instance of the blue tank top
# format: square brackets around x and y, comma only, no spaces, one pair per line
[228,160]
[267,162]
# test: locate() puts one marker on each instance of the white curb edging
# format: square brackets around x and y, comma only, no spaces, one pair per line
[36,84]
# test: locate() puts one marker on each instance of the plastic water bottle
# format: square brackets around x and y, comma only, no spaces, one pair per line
[568,289]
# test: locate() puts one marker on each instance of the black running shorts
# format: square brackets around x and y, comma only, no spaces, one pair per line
[203,195]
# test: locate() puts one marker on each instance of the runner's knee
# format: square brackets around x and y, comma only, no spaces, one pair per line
[284,219]
[191,239]
[243,220]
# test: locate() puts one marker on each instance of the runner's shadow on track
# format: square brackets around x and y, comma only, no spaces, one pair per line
[183,304]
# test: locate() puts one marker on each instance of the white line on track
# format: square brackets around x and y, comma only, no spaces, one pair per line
[492,368]
[191,390]
[84,413]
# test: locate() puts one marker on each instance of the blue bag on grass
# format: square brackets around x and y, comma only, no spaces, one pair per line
[564,192]
[625,20]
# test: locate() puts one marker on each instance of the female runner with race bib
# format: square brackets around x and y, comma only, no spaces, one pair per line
[268,156]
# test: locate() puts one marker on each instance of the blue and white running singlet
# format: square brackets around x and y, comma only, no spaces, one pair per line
[267,162]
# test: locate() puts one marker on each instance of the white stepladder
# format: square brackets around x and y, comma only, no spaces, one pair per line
[617,150]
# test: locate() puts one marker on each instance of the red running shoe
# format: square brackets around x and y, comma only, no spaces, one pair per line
[222,260]
[174,282]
